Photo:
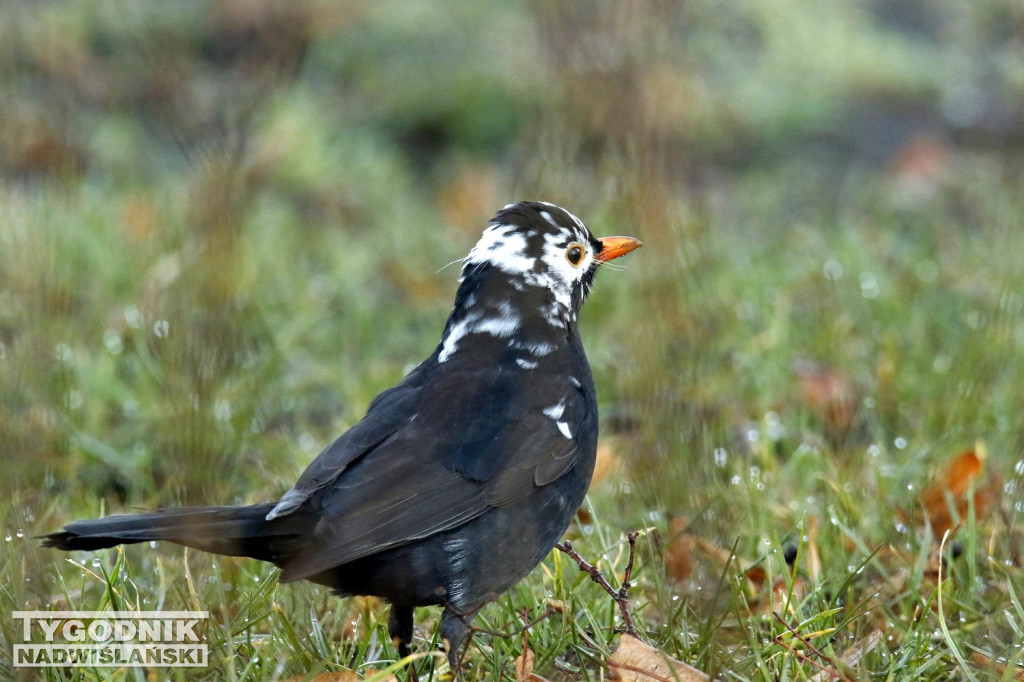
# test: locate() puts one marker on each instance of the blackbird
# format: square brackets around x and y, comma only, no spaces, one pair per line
[459,479]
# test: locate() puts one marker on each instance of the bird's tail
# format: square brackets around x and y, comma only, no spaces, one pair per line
[234,531]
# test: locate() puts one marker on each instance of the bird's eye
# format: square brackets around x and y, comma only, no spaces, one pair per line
[574,254]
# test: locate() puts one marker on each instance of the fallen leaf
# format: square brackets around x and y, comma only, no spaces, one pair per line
[723,557]
[925,156]
[757,575]
[524,667]
[607,461]
[635,661]
[851,657]
[338,676]
[946,502]
[557,605]
[141,217]
[811,552]
[997,667]
[678,565]
[827,393]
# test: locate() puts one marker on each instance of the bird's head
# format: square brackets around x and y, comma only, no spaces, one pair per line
[530,271]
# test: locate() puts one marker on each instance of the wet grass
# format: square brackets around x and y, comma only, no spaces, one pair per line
[806,341]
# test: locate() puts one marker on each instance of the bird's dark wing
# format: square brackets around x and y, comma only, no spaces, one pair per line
[386,414]
[476,440]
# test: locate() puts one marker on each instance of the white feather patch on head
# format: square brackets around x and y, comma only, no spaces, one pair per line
[506,247]
[503,247]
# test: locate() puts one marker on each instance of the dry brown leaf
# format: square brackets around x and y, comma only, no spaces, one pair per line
[364,610]
[524,667]
[811,552]
[723,557]
[338,676]
[785,596]
[922,161]
[141,217]
[635,661]
[959,476]
[826,392]
[851,657]
[757,575]
[557,605]
[678,565]
[607,461]
[997,667]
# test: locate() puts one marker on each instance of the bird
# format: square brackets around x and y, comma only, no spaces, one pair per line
[459,479]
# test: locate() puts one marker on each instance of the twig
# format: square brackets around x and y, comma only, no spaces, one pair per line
[621,595]
[801,655]
[526,626]
[833,668]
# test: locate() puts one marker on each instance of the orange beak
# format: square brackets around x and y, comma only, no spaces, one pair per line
[613,247]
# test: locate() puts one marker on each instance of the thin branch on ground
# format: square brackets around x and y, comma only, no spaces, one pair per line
[833,668]
[519,630]
[621,595]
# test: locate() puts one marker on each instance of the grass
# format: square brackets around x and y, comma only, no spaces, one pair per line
[194,301]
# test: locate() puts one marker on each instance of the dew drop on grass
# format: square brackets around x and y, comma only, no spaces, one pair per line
[222,410]
[900,443]
[95,563]
[132,316]
[62,352]
[307,442]
[112,341]
[1019,467]
[869,285]
[721,457]
[161,328]
[20,533]
[152,544]
[7,537]
[735,480]
[73,399]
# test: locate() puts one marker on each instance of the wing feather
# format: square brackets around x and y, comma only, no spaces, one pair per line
[444,462]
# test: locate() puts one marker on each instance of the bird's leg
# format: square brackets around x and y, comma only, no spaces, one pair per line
[400,628]
[455,635]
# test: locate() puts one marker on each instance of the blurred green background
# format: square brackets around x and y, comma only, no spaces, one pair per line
[224,228]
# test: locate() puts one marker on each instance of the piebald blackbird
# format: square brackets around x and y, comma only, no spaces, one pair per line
[461,478]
